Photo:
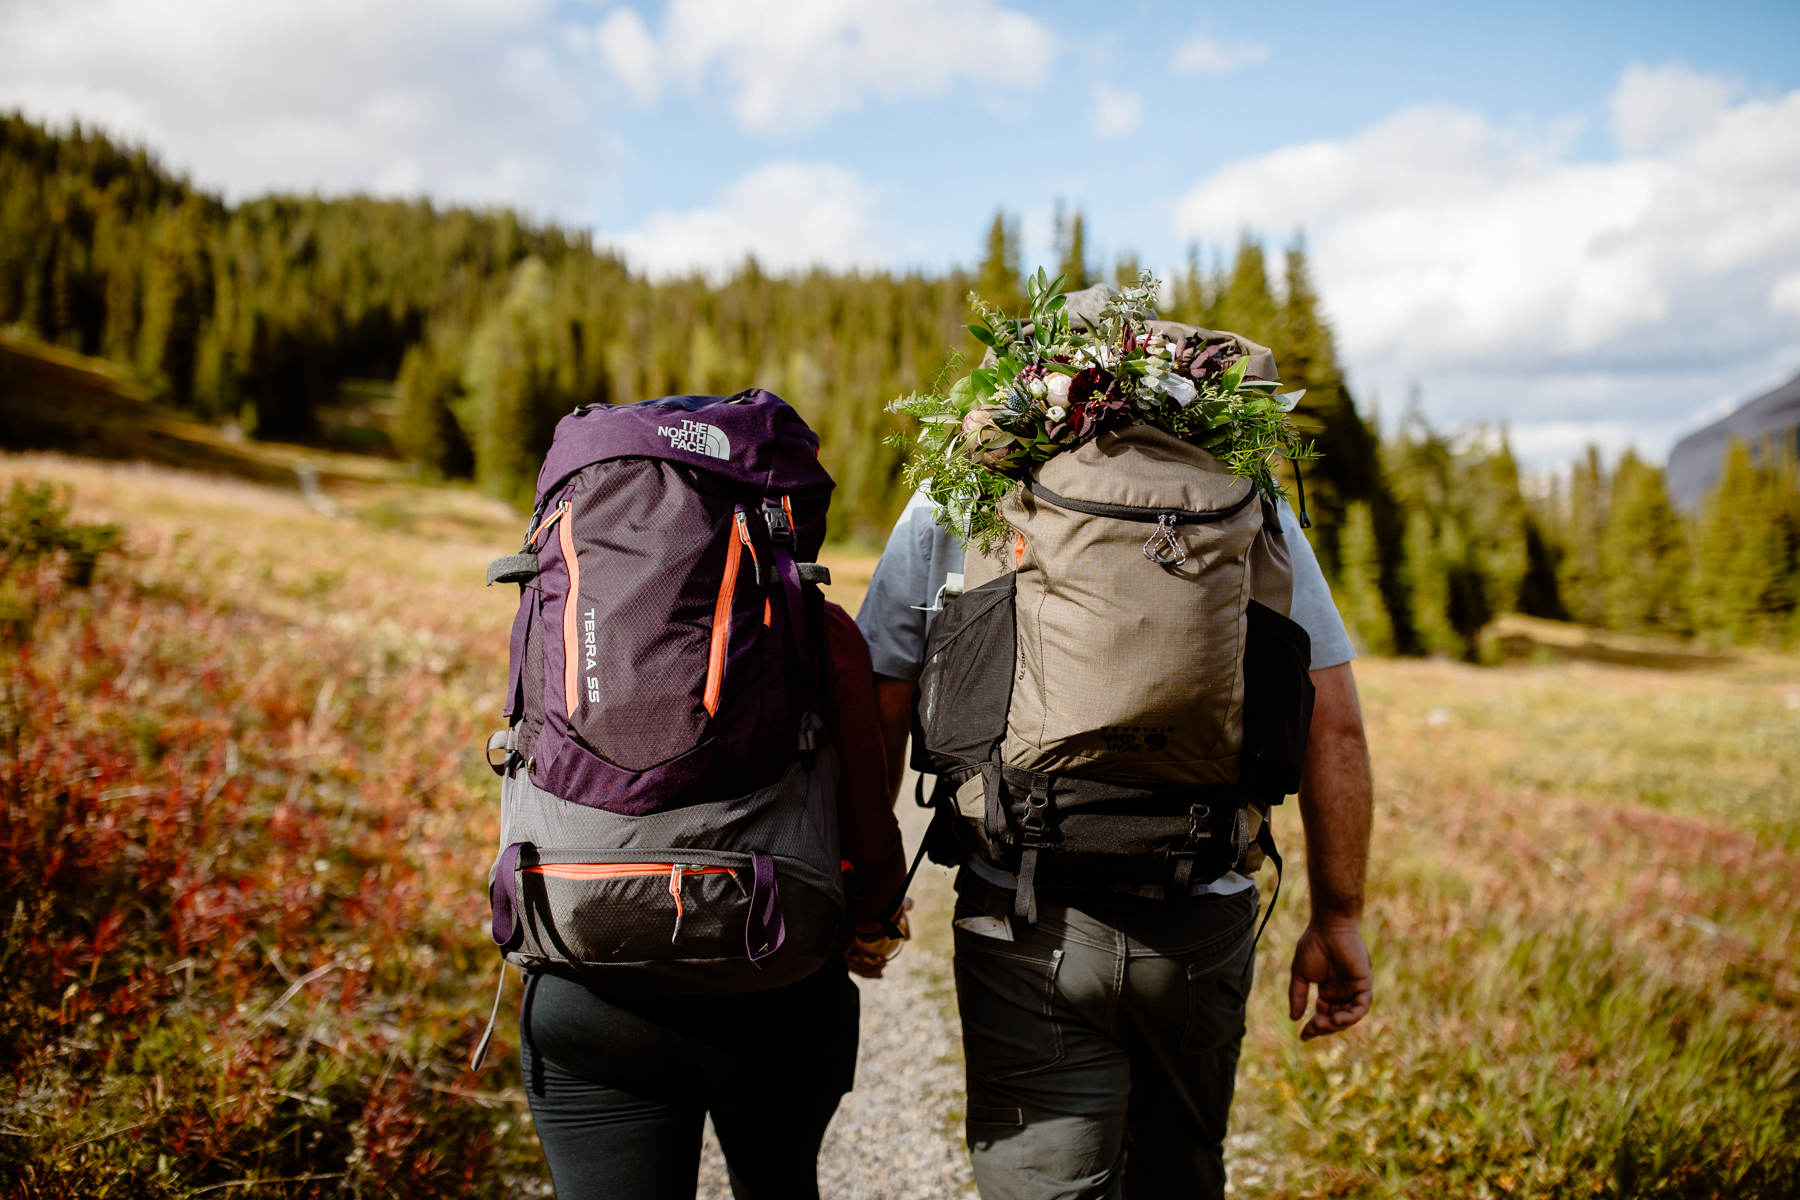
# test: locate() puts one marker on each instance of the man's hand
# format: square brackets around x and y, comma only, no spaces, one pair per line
[1332,956]
[871,950]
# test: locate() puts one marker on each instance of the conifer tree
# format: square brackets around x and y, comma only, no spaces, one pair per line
[1498,516]
[426,430]
[1747,584]
[1000,273]
[1071,249]
[1358,592]
[1428,585]
[1581,579]
[1643,554]
[1247,305]
[1126,271]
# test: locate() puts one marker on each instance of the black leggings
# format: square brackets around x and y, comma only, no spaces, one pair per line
[619,1086]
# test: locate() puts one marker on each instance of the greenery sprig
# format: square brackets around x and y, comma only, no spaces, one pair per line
[1057,380]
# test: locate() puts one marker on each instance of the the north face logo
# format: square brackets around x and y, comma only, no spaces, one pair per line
[697,437]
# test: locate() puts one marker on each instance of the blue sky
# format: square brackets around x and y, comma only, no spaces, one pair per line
[1581,221]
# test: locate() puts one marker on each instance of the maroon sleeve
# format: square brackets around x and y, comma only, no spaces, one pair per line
[869,835]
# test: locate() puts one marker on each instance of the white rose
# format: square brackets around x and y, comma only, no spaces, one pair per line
[1056,412]
[1037,388]
[1180,390]
[1057,388]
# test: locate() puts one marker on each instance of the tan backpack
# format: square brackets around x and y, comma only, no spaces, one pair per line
[1119,695]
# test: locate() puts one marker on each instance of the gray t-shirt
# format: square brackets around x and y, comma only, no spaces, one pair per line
[905,592]
[903,595]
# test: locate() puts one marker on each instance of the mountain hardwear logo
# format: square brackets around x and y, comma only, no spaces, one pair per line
[697,437]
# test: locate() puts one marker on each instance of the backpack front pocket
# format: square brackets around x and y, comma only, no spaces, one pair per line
[649,919]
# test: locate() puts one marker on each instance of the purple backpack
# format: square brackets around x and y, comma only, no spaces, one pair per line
[668,794]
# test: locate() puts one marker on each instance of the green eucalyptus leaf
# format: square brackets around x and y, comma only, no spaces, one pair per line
[961,396]
[1288,401]
[982,334]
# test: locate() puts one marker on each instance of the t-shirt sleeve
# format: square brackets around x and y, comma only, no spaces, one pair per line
[892,615]
[1313,608]
[869,836]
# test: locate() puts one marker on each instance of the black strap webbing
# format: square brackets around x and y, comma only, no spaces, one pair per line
[890,913]
[1025,906]
[1266,840]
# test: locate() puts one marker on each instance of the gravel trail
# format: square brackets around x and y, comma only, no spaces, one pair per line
[898,1136]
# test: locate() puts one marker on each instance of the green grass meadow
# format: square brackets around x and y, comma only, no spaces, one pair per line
[247,824]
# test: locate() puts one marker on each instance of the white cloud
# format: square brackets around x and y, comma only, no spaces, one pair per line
[1205,55]
[791,216]
[630,53]
[1785,295]
[471,100]
[1654,107]
[793,65]
[1517,283]
[1116,113]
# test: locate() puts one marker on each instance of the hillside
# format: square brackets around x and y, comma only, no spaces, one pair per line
[1698,459]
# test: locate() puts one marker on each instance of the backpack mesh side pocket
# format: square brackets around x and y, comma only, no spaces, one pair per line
[965,686]
[1278,703]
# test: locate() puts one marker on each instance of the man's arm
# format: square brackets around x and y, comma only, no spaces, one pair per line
[894,700]
[1336,803]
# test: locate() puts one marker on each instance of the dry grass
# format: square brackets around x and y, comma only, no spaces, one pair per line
[1583,909]
[247,826]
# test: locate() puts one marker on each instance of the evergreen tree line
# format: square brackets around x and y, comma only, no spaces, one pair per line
[494,327]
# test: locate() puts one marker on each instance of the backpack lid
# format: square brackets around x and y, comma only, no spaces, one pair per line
[754,438]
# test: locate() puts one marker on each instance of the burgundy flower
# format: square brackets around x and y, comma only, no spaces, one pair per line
[1108,410]
[1130,341]
[1073,428]
[1087,383]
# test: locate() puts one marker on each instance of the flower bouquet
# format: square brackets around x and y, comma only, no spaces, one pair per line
[1053,380]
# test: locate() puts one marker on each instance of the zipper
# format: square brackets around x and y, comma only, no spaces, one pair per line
[721,627]
[622,870]
[557,514]
[612,856]
[571,619]
[676,873]
[1128,512]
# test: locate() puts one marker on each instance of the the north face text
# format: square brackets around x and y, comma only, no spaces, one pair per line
[697,437]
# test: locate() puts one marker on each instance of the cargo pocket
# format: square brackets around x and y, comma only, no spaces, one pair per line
[1006,994]
[1278,701]
[1216,1006]
[966,682]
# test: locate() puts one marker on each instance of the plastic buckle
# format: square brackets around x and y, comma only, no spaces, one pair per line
[781,530]
[1198,815]
[1036,821]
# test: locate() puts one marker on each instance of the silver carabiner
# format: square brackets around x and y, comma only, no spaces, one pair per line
[1164,548]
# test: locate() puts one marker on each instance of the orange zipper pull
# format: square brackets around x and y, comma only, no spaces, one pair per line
[675,891]
[557,514]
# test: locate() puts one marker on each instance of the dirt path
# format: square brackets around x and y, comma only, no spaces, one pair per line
[898,1136]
